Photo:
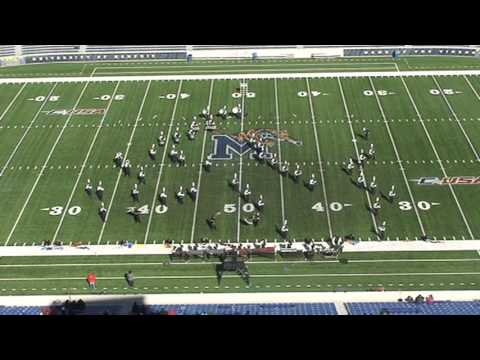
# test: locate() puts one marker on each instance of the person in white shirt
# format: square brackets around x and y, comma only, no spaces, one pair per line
[180,194]
[391,194]
[141,176]
[135,193]
[163,196]
[100,190]
[88,188]
[376,206]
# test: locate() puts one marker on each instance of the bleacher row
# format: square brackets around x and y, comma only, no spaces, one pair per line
[459,51]
[397,308]
[350,50]
[383,308]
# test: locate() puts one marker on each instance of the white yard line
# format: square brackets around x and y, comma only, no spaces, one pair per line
[277,113]
[357,153]
[239,207]
[27,131]
[438,157]
[13,101]
[45,165]
[152,208]
[414,204]
[251,76]
[200,171]
[319,156]
[471,87]
[82,168]
[456,118]
[126,154]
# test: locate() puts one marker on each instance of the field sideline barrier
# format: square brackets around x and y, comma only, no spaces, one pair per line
[241,76]
[246,298]
[151,249]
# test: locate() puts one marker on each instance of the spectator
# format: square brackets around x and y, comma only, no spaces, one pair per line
[430,299]
[419,299]
[130,279]
[92,280]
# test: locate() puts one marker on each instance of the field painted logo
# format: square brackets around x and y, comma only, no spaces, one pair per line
[66,112]
[449,180]
[225,145]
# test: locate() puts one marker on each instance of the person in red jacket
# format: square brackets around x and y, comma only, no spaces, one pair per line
[92,280]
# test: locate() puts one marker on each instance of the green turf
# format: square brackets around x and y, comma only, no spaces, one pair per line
[156,274]
[30,139]
[411,63]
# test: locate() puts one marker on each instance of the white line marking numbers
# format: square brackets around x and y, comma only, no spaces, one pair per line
[422,205]
[334,206]
[437,92]
[58,210]
[117,97]
[52,98]
[250,94]
[379,93]
[314,93]
[174,96]
[232,208]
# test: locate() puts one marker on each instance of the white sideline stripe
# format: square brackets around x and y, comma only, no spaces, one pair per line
[159,264]
[243,65]
[357,153]
[152,209]
[277,113]
[12,102]
[438,157]
[398,157]
[129,144]
[252,76]
[44,165]
[35,117]
[82,168]
[223,71]
[322,177]
[239,207]
[252,276]
[456,118]
[200,171]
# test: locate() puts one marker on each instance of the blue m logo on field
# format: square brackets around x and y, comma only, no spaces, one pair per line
[224,146]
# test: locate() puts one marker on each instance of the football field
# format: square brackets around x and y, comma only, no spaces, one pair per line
[55,136]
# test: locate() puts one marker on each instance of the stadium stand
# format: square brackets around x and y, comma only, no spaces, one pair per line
[211,309]
[349,50]
[20,310]
[7,50]
[427,51]
[401,308]
[247,309]
[370,308]
[49,49]
[134,48]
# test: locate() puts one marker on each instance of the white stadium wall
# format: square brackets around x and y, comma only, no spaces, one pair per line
[267,53]
[32,54]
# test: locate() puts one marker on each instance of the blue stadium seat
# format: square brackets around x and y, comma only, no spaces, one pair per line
[249,309]
[20,310]
[400,308]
